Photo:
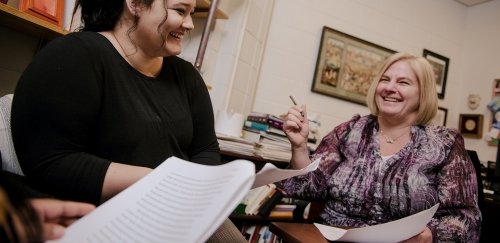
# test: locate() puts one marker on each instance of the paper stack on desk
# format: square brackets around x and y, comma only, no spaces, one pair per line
[394,231]
[179,201]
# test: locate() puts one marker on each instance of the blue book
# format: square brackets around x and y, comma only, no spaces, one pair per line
[257,125]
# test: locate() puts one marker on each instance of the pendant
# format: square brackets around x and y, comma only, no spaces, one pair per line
[388,140]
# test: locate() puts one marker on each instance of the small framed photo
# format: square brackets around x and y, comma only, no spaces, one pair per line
[471,125]
[51,11]
[440,118]
[440,65]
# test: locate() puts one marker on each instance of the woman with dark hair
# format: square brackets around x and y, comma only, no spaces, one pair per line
[392,163]
[99,109]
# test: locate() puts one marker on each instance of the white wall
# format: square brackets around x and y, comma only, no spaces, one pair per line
[481,65]
[234,52]
[445,27]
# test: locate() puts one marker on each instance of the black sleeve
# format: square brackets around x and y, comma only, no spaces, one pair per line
[54,108]
[204,147]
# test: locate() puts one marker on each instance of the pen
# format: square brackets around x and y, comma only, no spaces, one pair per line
[293,100]
[295,103]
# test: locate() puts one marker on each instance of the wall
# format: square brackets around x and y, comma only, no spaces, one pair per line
[481,65]
[267,51]
[444,27]
[16,51]
[233,58]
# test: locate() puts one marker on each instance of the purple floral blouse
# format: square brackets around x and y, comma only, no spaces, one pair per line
[360,189]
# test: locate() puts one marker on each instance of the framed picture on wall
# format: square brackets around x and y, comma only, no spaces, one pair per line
[440,118]
[51,11]
[440,65]
[346,66]
[471,125]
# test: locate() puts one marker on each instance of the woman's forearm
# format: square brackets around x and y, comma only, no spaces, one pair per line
[300,157]
[120,176]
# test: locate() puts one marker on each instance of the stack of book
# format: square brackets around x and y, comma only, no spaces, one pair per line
[290,209]
[270,202]
[263,122]
[273,144]
[237,145]
[262,136]
[259,234]
[261,200]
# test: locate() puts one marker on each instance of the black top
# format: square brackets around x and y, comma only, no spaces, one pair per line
[79,106]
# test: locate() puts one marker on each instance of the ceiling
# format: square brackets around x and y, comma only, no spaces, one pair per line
[469,3]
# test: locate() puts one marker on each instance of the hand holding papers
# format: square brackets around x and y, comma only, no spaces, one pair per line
[394,231]
[179,201]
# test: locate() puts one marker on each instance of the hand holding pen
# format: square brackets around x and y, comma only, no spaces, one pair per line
[295,103]
[296,126]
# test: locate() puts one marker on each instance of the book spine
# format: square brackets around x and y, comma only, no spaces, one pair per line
[269,205]
[257,125]
[281,215]
[258,117]
[256,234]
[275,122]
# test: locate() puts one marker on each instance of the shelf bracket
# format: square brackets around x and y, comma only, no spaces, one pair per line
[205,34]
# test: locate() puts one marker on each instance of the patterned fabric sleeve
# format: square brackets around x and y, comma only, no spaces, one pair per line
[458,218]
[313,186]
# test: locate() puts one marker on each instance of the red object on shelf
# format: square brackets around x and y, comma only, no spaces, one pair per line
[51,11]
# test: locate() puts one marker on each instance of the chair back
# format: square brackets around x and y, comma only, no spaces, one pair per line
[477,167]
[8,154]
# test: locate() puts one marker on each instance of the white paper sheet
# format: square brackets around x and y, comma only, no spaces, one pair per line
[270,173]
[179,201]
[394,231]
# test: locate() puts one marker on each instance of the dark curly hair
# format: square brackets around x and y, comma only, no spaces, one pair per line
[102,15]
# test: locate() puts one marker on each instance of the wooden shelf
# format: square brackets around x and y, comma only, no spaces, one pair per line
[202,7]
[14,19]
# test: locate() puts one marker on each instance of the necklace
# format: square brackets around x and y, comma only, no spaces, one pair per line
[391,140]
[121,47]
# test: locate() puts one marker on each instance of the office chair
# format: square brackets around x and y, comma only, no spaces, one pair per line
[477,167]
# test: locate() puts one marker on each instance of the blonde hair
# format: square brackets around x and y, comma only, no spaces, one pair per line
[427,108]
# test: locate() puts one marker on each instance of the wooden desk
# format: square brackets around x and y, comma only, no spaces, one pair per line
[297,232]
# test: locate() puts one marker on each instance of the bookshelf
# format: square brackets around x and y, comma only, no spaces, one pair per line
[259,162]
[202,7]
[243,221]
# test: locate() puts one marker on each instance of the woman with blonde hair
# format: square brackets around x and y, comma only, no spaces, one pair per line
[392,163]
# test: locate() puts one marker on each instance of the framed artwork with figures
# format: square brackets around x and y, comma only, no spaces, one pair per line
[346,66]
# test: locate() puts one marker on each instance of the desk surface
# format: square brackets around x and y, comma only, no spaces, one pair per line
[297,232]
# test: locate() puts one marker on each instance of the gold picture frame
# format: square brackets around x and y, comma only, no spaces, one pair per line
[471,125]
[346,66]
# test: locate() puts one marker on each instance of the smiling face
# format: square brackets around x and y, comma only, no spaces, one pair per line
[157,36]
[398,93]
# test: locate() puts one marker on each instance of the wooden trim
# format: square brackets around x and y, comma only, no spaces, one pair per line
[26,23]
